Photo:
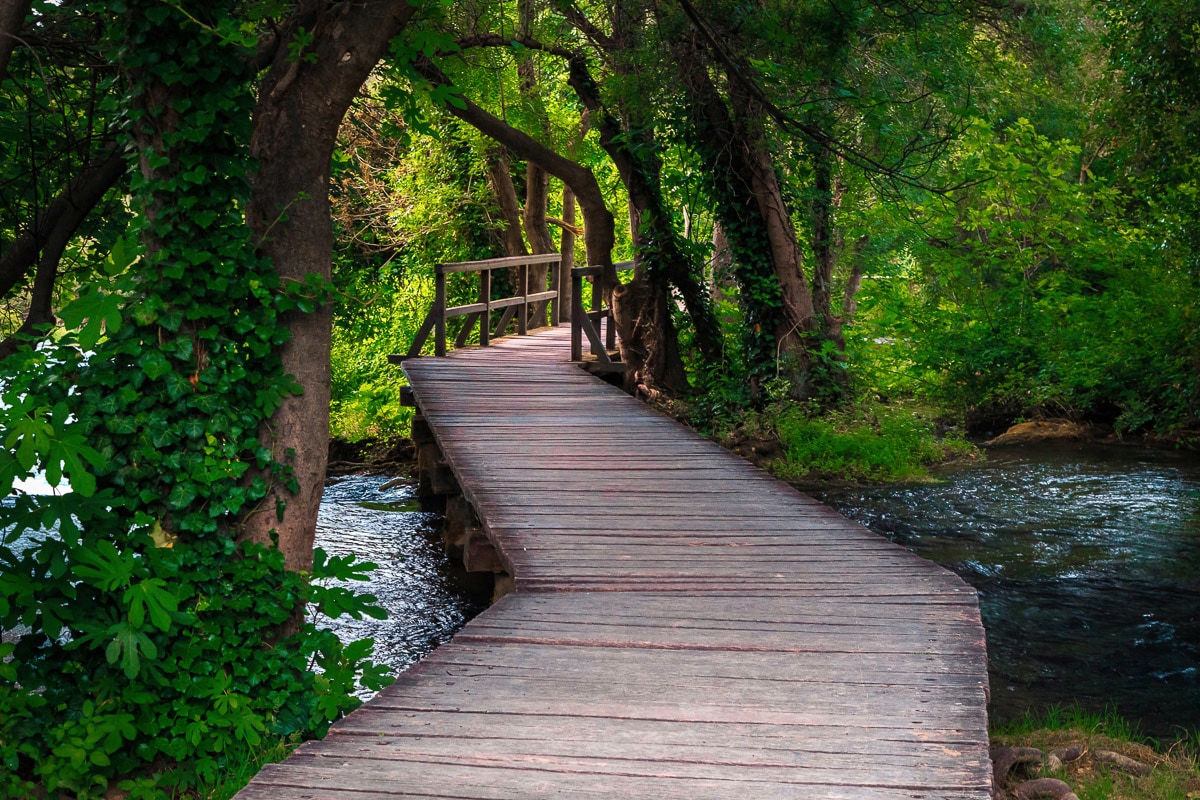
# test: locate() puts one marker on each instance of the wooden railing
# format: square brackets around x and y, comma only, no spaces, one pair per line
[524,306]
[588,322]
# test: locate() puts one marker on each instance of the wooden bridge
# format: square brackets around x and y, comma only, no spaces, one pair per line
[675,623]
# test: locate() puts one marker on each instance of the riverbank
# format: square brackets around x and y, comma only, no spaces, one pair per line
[866,443]
[372,456]
[1098,756]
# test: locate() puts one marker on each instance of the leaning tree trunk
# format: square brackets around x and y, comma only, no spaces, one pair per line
[659,244]
[599,231]
[301,105]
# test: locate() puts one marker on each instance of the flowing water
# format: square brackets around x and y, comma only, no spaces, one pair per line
[427,599]
[1087,562]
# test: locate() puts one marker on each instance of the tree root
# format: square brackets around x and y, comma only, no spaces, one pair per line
[1005,758]
[1123,763]
[1045,787]
[1061,755]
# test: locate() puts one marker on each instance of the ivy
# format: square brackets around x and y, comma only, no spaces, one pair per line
[155,647]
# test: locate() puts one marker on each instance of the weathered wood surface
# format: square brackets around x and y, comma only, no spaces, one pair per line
[684,626]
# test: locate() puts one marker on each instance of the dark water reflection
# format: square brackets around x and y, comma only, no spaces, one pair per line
[424,597]
[1087,562]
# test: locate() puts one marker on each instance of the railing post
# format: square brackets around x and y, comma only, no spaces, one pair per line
[439,311]
[576,315]
[556,301]
[485,297]
[523,287]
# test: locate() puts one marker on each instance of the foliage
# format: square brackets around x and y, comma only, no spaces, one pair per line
[51,127]
[1020,293]
[865,443]
[154,648]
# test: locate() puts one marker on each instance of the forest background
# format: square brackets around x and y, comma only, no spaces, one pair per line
[846,218]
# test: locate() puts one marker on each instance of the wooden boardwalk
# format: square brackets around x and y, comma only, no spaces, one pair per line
[684,626]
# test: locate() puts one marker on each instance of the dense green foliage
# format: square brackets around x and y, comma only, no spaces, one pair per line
[154,647]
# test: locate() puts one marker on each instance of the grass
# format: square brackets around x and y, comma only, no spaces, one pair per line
[867,443]
[1176,766]
[240,773]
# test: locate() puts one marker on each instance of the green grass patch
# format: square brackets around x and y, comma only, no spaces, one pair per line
[867,443]
[241,770]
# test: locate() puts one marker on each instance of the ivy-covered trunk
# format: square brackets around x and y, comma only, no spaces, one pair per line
[324,58]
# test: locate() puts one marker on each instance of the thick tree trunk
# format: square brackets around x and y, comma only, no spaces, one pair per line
[775,295]
[300,107]
[793,329]
[649,345]
[655,236]
[12,19]
[61,218]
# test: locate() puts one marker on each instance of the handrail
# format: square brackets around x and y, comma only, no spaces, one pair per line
[481,311]
[588,322]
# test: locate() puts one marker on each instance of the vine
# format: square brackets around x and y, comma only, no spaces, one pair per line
[153,648]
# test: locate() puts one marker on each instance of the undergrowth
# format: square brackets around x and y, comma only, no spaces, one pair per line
[867,442]
[1175,773]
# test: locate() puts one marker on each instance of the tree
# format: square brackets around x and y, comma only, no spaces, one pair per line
[194,430]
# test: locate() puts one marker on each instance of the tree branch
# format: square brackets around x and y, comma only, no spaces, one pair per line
[64,214]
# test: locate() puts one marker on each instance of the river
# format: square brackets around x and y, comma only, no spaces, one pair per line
[1087,562]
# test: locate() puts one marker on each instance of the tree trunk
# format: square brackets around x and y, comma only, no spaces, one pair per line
[649,345]
[41,307]
[655,236]
[501,182]
[599,232]
[537,196]
[301,104]
[797,322]
[751,209]
[12,19]
[568,254]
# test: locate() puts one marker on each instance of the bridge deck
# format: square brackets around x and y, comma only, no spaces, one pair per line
[684,625]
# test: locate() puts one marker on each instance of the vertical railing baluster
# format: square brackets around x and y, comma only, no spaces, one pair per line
[556,301]
[439,310]
[485,297]
[523,288]
[577,313]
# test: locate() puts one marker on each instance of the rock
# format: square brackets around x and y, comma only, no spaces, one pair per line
[1048,430]
[1061,755]
[1123,763]
[1045,787]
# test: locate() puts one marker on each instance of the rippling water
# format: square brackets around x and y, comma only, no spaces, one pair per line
[1087,562]
[426,599]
